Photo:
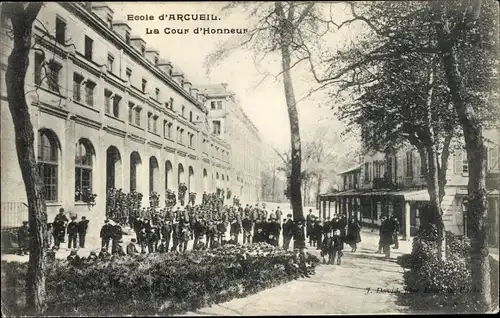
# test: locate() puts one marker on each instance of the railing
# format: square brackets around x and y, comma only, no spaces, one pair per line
[13,214]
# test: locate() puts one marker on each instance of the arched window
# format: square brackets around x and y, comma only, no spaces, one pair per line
[83,169]
[48,163]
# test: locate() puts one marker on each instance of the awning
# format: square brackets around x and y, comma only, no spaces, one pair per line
[415,195]
[374,193]
[350,170]
[464,192]
[340,194]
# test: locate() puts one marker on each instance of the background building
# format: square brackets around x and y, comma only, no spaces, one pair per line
[394,184]
[107,112]
[228,120]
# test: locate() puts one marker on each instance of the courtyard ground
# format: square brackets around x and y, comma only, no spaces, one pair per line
[355,287]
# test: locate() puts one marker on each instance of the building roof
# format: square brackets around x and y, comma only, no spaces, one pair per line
[358,167]
[216,90]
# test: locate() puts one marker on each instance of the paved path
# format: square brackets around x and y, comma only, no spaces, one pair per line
[333,290]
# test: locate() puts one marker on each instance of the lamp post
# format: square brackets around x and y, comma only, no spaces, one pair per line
[465,208]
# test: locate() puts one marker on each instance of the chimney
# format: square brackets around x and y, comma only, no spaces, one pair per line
[165,66]
[139,44]
[122,29]
[187,86]
[194,92]
[104,12]
[153,56]
[179,78]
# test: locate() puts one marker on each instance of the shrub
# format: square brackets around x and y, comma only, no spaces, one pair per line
[156,283]
[442,277]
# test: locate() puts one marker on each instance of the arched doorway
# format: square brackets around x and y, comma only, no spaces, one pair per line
[205,180]
[113,168]
[169,180]
[190,184]
[154,174]
[180,174]
[135,166]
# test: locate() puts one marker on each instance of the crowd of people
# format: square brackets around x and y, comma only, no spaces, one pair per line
[206,225]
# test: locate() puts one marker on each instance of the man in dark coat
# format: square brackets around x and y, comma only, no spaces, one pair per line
[198,229]
[327,226]
[343,226]
[176,235]
[309,226]
[353,236]
[23,237]
[299,237]
[211,234]
[61,220]
[116,238]
[247,229]
[151,239]
[221,229]
[287,231]
[82,230]
[385,233]
[72,233]
[319,233]
[275,230]
[235,229]
[106,235]
[166,232]
[395,231]
[185,235]
[257,232]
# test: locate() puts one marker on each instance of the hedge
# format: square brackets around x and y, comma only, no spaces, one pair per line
[447,282]
[152,284]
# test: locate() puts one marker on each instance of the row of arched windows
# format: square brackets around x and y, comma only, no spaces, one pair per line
[48,167]
[48,164]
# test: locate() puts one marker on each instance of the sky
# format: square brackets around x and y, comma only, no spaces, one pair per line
[264,104]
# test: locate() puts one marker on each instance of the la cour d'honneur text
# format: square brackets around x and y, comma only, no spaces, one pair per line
[185,17]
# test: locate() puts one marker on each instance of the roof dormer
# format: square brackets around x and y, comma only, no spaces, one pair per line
[139,44]
[195,92]
[179,78]
[104,12]
[153,56]
[165,66]
[187,86]
[123,30]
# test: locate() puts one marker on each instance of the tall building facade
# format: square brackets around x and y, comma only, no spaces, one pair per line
[107,112]
[228,121]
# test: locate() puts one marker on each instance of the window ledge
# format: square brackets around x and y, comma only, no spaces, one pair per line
[81,203]
[465,174]
[134,125]
[53,204]
[42,87]
[153,133]
[86,106]
[115,118]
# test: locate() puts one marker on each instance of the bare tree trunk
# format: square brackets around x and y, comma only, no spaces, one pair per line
[477,158]
[22,24]
[286,29]
[435,200]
